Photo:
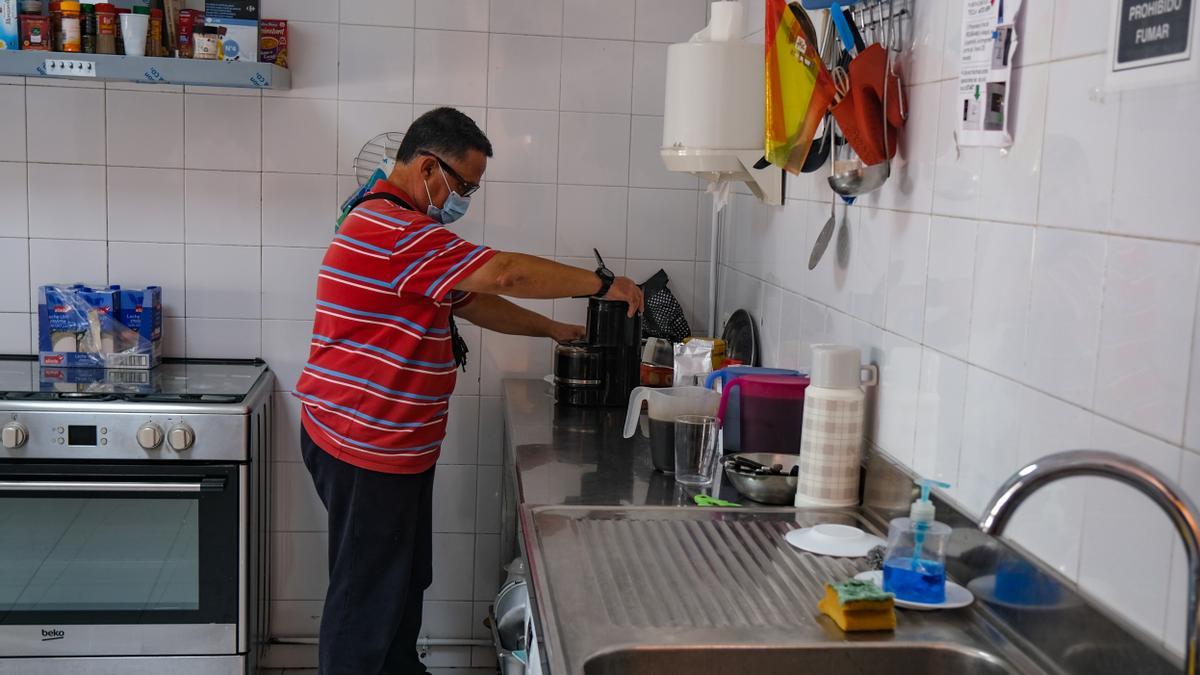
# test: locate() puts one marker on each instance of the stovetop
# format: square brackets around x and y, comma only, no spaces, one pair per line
[176,380]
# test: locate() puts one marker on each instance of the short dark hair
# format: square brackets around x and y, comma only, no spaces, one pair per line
[443,131]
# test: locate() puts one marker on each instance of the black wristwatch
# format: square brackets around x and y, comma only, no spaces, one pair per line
[606,278]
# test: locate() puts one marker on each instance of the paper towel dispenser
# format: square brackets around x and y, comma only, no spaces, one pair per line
[713,118]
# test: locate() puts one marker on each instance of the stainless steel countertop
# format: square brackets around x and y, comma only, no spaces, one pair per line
[577,456]
[568,470]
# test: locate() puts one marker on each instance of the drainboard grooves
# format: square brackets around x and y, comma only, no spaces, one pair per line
[753,537]
[675,573]
[705,610]
[647,582]
[759,580]
[719,558]
[707,573]
[669,587]
[630,570]
[595,551]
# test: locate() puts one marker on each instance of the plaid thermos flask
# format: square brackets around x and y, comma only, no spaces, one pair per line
[832,432]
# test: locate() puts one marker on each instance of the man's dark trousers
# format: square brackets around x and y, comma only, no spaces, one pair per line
[380,563]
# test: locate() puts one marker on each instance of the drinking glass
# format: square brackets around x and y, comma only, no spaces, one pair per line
[695,449]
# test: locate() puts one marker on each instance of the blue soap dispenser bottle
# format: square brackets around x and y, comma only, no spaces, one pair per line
[914,568]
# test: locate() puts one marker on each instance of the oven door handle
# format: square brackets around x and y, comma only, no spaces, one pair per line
[201,485]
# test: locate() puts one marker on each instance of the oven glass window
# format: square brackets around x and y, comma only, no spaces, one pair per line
[99,554]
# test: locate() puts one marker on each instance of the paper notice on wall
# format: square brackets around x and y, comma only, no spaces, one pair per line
[985,87]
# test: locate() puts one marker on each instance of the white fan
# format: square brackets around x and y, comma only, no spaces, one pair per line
[378,153]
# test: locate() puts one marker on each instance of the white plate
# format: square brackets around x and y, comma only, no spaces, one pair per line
[956,596]
[985,588]
[842,541]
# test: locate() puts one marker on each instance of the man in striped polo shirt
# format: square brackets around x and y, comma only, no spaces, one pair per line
[382,367]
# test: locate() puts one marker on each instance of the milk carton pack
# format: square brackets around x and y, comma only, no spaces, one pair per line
[85,327]
[99,380]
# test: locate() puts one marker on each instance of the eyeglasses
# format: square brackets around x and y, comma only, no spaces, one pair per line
[468,188]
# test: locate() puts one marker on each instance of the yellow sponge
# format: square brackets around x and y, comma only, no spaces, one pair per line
[858,606]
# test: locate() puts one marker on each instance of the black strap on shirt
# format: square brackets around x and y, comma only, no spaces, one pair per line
[457,343]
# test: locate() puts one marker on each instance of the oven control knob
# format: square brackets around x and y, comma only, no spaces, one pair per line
[181,437]
[149,436]
[13,435]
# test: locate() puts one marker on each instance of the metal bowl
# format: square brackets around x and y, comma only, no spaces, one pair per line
[766,489]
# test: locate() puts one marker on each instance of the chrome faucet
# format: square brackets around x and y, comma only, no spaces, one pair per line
[1136,474]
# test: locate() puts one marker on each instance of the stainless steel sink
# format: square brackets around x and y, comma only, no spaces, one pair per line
[669,590]
[827,660]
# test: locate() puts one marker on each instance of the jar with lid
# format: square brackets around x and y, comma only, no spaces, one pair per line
[154,43]
[71,41]
[31,6]
[87,27]
[56,26]
[106,28]
[205,43]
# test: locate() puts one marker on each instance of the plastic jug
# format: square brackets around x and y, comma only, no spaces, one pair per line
[732,436]
[664,406]
[772,411]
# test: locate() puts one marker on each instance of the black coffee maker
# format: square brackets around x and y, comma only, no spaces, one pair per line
[604,368]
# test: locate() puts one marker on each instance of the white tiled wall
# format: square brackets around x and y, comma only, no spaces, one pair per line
[1018,303]
[227,198]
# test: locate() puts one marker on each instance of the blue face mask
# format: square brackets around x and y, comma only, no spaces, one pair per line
[452,209]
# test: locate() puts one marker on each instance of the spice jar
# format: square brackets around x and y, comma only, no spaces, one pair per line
[205,43]
[56,26]
[106,28]
[154,44]
[70,26]
[120,38]
[87,27]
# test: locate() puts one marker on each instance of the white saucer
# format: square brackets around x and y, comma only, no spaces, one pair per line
[842,541]
[985,588]
[956,596]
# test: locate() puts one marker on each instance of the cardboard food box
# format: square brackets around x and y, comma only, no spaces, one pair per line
[35,32]
[10,29]
[84,327]
[272,42]
[239,18]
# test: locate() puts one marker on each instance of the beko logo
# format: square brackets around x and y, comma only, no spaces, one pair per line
[52,634]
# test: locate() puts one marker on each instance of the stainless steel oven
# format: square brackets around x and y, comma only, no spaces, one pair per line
[133,521]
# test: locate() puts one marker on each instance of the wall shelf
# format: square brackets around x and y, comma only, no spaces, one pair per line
[145,69]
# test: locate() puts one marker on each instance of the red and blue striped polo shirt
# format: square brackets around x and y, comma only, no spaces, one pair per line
[376,389]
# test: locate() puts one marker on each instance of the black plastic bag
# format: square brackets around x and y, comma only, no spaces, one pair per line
[664,317]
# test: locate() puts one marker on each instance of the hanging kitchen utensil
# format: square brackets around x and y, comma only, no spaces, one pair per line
[819,152]
[825,235]
[879,123]
[847,29]
[813,5]
[798,89]
[379,153]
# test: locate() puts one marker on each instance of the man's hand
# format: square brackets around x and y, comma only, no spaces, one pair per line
[623,288]
[565,332]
